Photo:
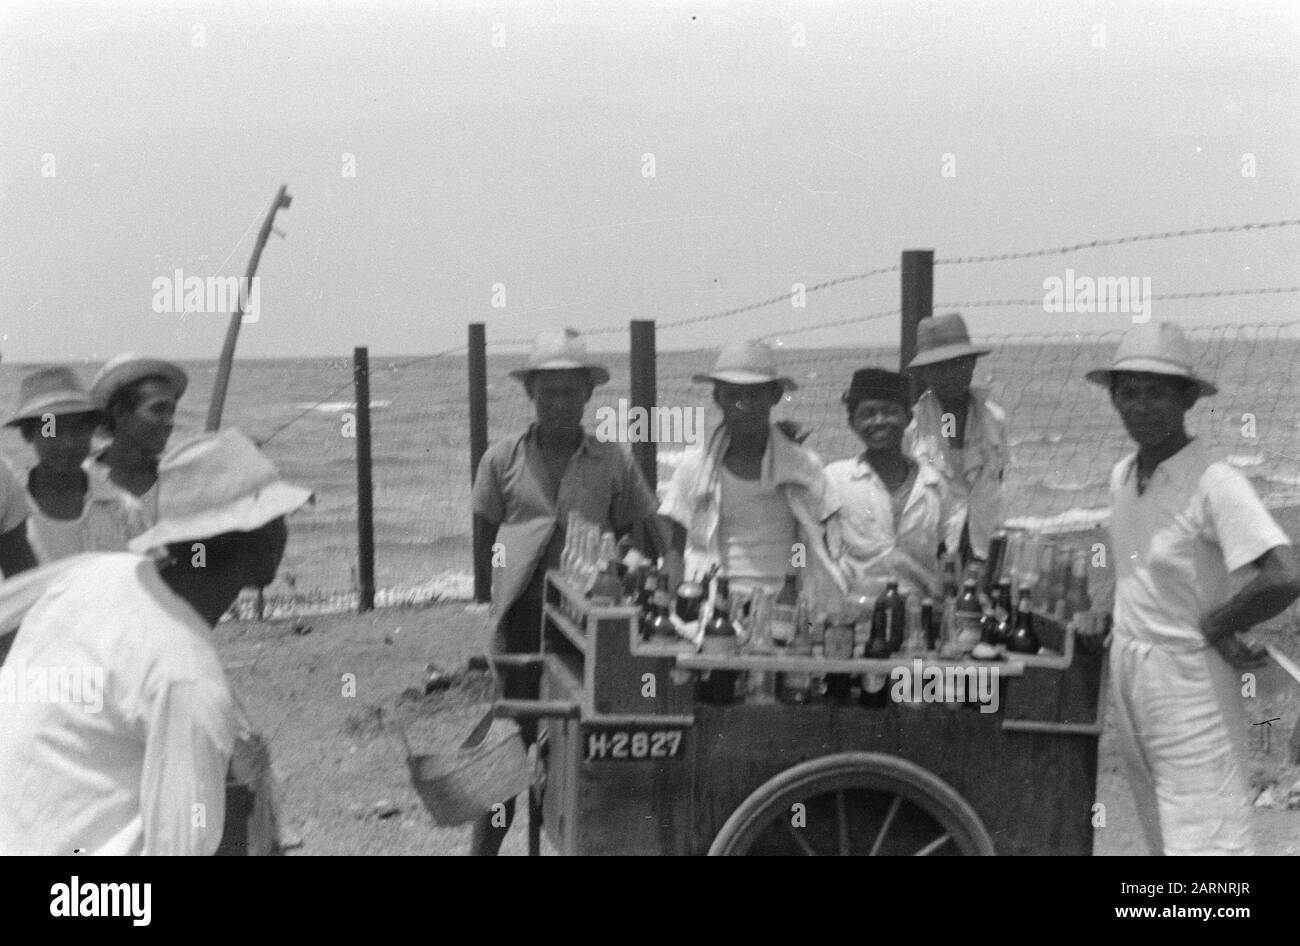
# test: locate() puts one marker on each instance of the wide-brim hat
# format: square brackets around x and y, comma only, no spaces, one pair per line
[746,362]
[1154,348]
[561,350]
[56,391]
[216,483]
[129,368]
[943,338]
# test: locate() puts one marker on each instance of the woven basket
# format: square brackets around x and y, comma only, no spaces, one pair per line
[458,785]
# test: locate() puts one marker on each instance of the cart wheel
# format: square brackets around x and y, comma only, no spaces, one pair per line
[854,803]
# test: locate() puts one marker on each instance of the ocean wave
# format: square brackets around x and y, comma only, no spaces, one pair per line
[1245,459]
[446,586]
[1281,479]
[1048,439]
[1058,485]
[1072,520]
[338,407]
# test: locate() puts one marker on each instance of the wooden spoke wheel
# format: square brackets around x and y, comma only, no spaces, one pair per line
[854,803]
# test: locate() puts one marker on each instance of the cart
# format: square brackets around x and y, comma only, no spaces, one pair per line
[628,762]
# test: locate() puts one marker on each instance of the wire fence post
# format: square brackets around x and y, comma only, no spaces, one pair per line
[365,494]
[644,395]
[917,304]
[478,438]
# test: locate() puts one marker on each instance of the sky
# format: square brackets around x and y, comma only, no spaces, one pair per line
[536,165]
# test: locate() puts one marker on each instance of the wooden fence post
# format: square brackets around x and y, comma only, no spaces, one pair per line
[917,304]
[365,495]
[644,395]
[478,437]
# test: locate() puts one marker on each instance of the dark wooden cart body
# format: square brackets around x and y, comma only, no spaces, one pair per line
[1028,770]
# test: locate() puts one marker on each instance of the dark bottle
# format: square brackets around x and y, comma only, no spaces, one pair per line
[720,639]
[661,624]
[645,593]
[887,622]
[929,624]
[993,565]
[1023,639]
[837,644]
[1005,612]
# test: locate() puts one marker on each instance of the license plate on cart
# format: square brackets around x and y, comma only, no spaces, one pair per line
[633,744]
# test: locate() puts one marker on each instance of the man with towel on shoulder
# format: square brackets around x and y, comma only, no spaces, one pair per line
[752,500]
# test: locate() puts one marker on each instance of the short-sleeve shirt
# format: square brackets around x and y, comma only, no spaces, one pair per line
[1176,545]
[877,545]
[601,483]
[13,499]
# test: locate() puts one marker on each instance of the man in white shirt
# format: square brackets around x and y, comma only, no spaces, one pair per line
[118,727]
[1181,524]
[960,432]
[891,507]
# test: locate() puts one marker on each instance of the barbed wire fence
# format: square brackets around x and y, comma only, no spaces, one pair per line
[1064,436]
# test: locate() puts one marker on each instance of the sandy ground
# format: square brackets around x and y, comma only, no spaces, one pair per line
[346,786]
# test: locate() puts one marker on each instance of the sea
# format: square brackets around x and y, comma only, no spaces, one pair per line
[1065,437]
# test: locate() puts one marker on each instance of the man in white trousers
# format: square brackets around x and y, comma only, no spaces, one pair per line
[1182,524]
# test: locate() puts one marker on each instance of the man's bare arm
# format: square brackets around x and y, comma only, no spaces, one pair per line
[1269,593]
[15,554]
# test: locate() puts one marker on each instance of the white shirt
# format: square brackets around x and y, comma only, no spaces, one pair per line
[972,475]
[110,517]
[145,506]
[13,506]
[144,772]
[756,533]
[1175,546]
[874,547]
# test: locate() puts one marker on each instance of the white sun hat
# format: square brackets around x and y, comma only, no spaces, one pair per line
[129,368]
[216,483]
[561,350]
[746,361]
[1154,348]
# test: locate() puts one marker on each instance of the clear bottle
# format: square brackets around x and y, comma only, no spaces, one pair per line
[968,618]
[607,590]
[795,686]
[1077,598]
[783,612]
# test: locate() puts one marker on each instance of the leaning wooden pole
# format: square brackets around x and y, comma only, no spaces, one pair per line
[218,402]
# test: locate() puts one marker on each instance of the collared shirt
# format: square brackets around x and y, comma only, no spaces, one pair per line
[876,546]
[694,500]
[143,507]
[13,505]
[1175,546]
[972,475]
[110,517]
[132,755]
[601,483]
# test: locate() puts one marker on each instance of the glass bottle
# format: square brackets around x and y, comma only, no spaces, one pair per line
[1024,640]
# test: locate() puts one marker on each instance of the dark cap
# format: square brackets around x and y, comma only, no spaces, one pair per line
[876,384]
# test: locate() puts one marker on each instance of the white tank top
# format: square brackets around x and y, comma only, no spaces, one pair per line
[755,532]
